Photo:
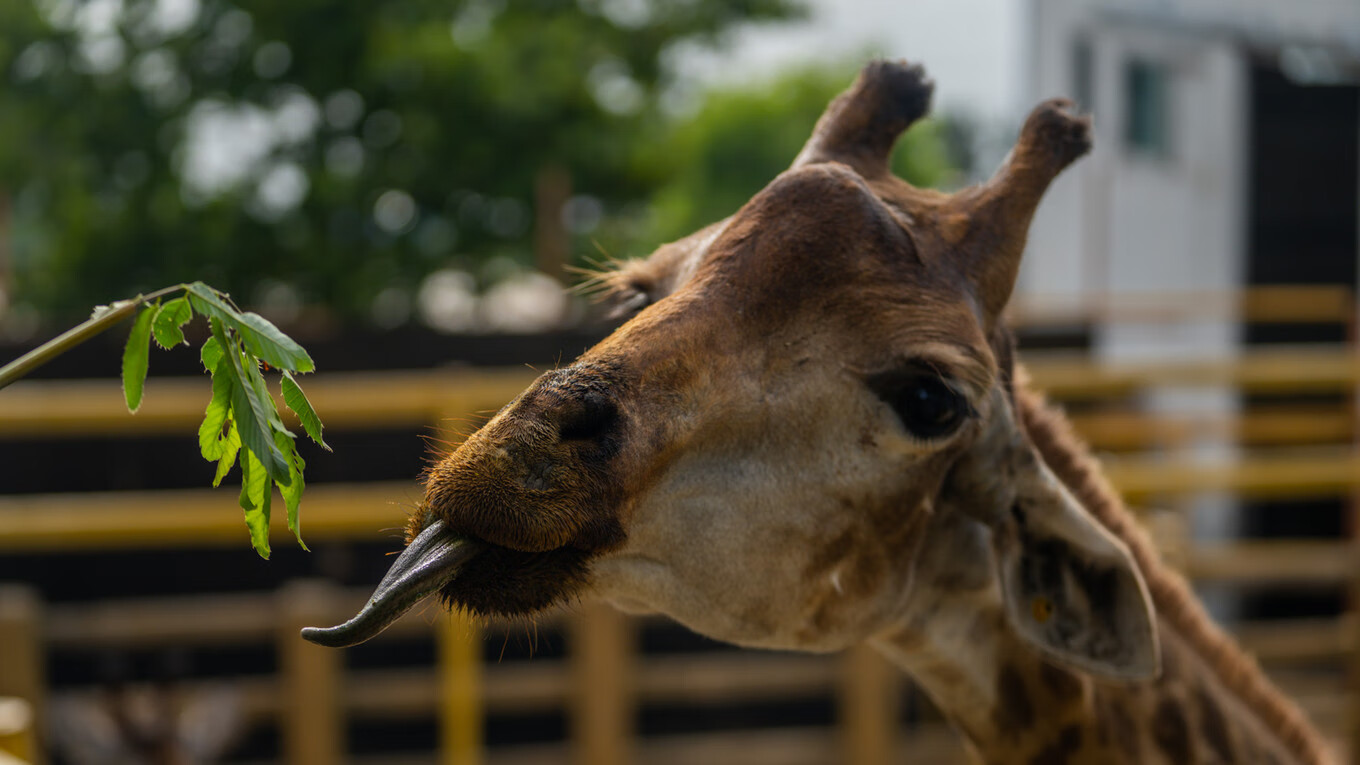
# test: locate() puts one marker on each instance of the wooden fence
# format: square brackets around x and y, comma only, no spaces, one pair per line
[1286,450]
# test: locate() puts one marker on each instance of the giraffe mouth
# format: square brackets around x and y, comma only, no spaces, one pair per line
[467,573]
[432,559]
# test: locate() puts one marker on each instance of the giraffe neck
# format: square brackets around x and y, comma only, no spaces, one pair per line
[1209,705]
[1012,706]
[1212,660]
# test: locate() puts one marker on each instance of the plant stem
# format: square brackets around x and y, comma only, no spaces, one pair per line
[77,335]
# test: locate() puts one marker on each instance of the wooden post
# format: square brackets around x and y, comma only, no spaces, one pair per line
[460,690]
[22,660]
[869,702]
[1353,522]
[601,644]
[17,737]
[313,728]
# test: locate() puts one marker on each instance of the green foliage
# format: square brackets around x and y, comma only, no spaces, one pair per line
[166,327]
[297,401]
[135,354]
[212,432]
[252,408]
[256,497]
[260,336]
[210,354]
[741,138]
[375,142]
[292,492]
[231,446]
[241,411]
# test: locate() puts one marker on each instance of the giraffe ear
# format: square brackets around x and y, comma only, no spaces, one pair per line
[1071,588]
[632,285]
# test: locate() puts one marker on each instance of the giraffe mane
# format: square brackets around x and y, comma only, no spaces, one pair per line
[1069,457]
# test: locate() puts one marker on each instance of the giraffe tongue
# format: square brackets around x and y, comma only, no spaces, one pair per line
[427,564]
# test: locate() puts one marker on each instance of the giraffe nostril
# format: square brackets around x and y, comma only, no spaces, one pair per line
[591,420]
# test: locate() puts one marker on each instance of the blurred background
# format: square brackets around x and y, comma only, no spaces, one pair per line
[406,187]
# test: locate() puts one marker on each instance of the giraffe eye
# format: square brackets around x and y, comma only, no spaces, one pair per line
[927,406]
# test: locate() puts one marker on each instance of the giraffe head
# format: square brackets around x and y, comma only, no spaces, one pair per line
[762,450]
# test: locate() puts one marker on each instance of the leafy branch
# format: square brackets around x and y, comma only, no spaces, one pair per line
[242,422]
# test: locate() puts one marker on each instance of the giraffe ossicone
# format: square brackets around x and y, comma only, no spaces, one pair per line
[813,432]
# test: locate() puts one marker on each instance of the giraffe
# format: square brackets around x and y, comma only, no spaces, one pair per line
[813,432]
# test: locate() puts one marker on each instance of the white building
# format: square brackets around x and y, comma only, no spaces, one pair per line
[1227,153]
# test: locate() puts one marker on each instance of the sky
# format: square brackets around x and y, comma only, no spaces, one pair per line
[974,49]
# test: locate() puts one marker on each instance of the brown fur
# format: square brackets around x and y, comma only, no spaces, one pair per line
[861,125]
[731,457]
[631,285]
[1069,458]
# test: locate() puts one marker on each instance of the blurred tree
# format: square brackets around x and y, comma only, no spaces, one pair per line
[740,138]
[316,150]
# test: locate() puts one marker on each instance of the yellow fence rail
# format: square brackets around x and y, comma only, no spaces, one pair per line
[1306,451]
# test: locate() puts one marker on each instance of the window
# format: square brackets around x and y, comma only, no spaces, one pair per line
[1147,120]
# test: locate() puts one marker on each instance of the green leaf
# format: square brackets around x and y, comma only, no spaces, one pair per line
[260,336]
[292,493]
[231,445]
[255,499]
[256,379]
[256,432]
[169,319]
[269,343]
[212,304]
[252,407]
[219,409]
[135,355]
[210,354]
[297,401]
